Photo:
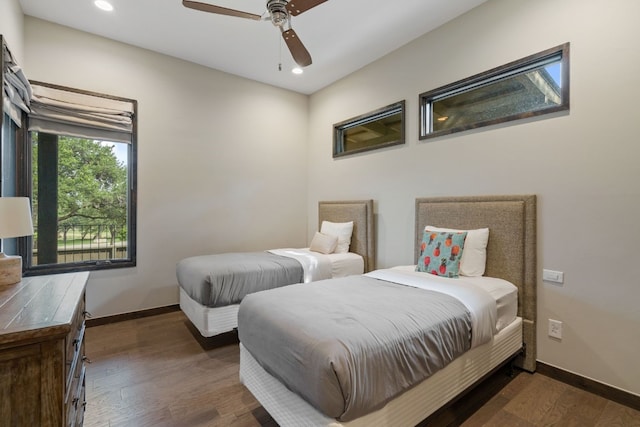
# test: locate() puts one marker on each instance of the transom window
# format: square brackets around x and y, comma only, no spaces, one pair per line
[380,128]
[532,86]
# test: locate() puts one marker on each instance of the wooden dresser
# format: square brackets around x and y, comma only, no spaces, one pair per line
[42,364]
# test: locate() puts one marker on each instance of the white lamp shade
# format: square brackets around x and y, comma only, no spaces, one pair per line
[15,217]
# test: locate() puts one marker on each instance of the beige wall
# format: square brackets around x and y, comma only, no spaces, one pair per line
[12,27]
[220,160]
[583,166]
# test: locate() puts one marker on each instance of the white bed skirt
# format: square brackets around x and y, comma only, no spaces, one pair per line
[209,321]
[408,409]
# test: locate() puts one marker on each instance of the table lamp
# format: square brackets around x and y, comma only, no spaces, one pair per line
[15,221]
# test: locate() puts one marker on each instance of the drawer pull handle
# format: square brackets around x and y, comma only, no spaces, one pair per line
[86,314]
[86,359]
[75,402]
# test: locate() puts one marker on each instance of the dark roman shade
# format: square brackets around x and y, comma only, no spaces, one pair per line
[16,88]
[65,111]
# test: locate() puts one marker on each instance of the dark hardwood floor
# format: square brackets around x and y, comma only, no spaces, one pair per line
[157,371]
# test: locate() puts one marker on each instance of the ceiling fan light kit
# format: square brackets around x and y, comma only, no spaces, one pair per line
[279,13]
[103,5]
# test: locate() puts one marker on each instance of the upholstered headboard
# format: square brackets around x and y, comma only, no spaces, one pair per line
[363,239]
[511,251]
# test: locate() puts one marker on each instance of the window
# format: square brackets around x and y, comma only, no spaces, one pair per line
[381,128]
[13,100]
[7,156]
[8,137]
[79,170]
[536,85]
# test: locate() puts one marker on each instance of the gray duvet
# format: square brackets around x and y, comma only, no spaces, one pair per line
[223,279]
[348,346]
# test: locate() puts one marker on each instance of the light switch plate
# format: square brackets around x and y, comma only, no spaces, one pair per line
[552,276]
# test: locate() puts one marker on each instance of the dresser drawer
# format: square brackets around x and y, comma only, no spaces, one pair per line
[76,328]
[74,349]
[81,407]
[76,403]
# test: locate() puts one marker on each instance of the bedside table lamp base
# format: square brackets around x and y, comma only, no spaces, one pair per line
[10,269]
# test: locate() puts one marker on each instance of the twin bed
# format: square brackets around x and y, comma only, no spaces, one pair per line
[212,286]
[390,347]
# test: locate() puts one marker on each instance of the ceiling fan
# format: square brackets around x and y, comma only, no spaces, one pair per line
[279,12]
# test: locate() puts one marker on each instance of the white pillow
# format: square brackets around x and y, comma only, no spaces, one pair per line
[342,230]
[474,253]
[324,243]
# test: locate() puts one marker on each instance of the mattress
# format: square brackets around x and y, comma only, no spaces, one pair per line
[352,349]
[290,410]
[211,321]
[346,264]
[222,279]
[319,266]
[503,292]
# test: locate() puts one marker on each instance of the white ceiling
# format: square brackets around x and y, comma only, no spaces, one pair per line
[341,35]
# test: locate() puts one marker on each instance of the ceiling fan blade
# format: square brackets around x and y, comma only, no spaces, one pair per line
[296,7]
[298,51]
[205,7]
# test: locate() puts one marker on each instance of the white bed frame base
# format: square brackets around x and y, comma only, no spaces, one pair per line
[290,410]
[210,321]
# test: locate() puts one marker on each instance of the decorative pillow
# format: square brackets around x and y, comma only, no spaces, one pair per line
[474,257]
[440,252]
[342,230]
[323,243]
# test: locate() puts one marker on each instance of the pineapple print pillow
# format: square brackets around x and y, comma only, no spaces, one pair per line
[440,253]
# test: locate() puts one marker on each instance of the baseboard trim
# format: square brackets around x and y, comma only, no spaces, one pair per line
[592,386]
[130,316]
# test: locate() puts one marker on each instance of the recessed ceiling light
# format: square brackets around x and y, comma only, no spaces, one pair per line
[104,5]
[297,70]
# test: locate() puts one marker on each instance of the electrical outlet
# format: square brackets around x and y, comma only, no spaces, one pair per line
[555,329]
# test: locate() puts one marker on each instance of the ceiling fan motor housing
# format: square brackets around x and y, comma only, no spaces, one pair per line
[278,12]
